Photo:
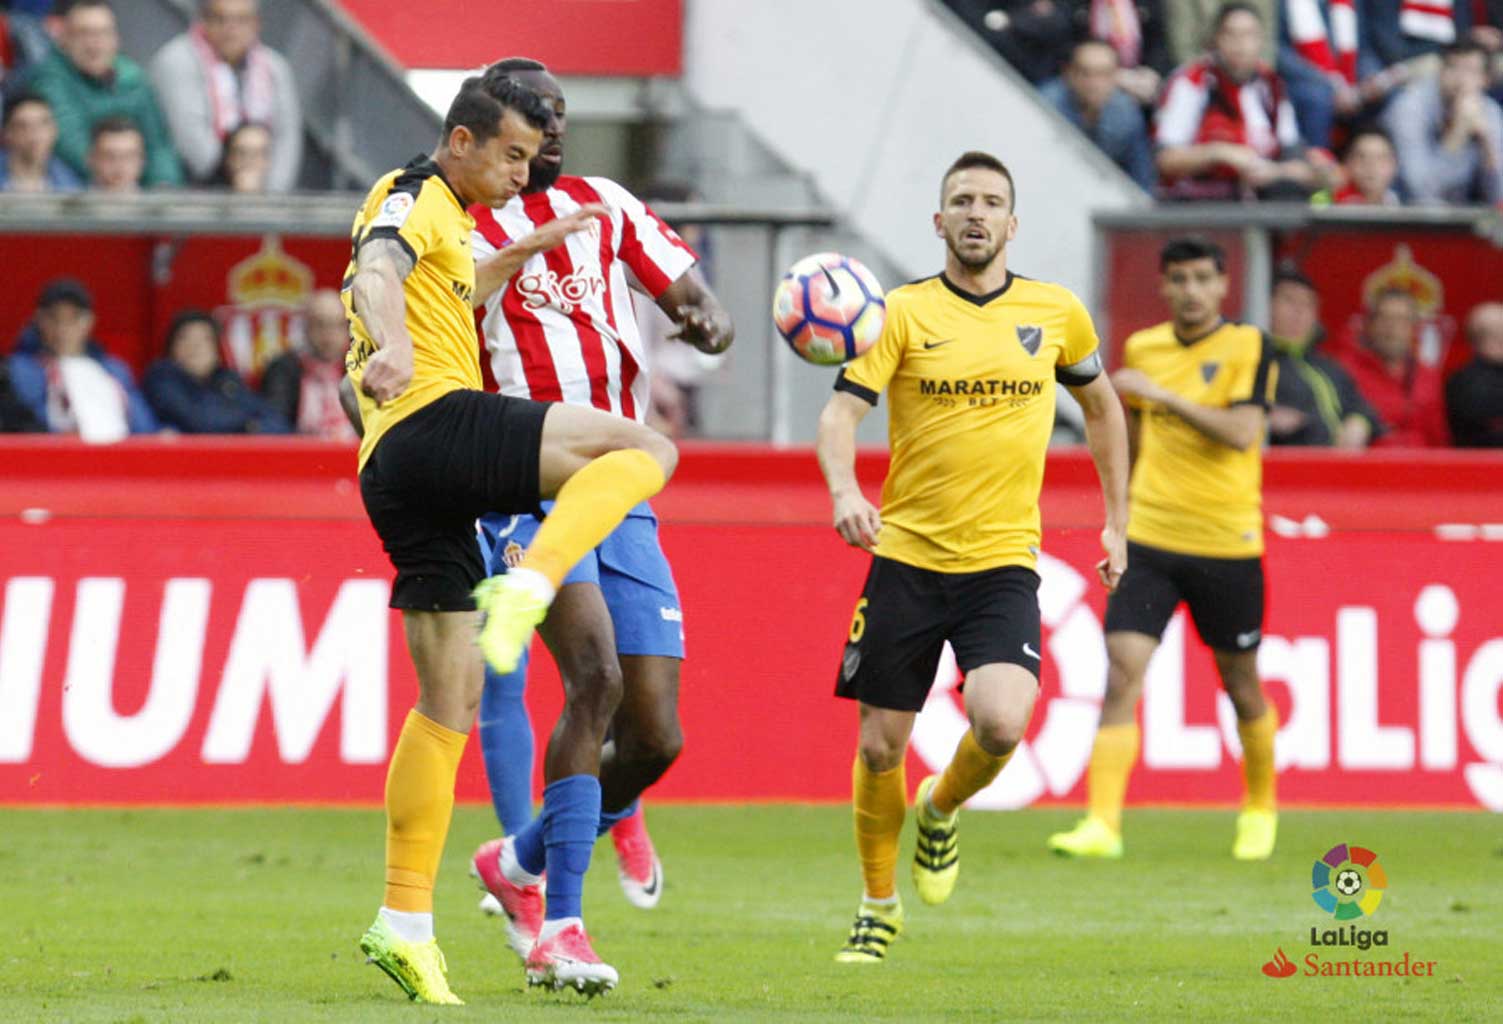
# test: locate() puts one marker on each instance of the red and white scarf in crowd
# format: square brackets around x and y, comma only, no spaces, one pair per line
[1115,22]
[1333,49]
[1428,19]
[236,98]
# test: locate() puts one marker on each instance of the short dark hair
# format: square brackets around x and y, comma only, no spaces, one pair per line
[1464,46]
[185,318]
[1370,132]
[113,124]
[1226,10]
[975,158]
[65,289]
[482,101]
[19,100]
[508,65]
[1290,273]
[63,8]
[1191,248]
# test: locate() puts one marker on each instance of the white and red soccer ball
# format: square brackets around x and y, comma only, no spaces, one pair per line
[829,308]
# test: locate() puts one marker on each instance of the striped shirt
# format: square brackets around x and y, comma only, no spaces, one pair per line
[562,329]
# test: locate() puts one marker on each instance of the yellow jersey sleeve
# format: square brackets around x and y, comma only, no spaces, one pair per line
[868,375]
[410,214]
[1080,355]
[1253,376]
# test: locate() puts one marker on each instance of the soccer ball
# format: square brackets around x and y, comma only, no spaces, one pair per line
[1348,882]
[829,308]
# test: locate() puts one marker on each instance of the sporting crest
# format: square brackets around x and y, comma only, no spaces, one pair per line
[1030,338]
[1208,371]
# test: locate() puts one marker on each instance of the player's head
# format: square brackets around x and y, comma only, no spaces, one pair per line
[492,131]
[1237,38]
[975,215]
[1192,280]
[534,74]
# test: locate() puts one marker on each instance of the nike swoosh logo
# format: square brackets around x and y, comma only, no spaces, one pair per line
[1030,651]
[937,344]
[651,889]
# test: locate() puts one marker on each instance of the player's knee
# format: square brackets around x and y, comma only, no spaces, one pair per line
[1000,734]
[880,754]
[595,687]
[663,451]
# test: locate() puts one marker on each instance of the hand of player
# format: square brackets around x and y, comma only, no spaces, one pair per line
[556,231]
[707,333]
[857,520]
[1111,568]
[1136,384]
[387,373]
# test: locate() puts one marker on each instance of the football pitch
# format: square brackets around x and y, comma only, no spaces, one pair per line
[253,915]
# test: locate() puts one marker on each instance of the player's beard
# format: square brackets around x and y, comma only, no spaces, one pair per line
[973,263]
[541,176]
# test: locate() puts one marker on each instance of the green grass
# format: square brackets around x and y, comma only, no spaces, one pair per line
[253,915]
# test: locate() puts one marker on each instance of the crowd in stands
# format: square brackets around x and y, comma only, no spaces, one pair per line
[58,378]
[1344,101]
[215,108]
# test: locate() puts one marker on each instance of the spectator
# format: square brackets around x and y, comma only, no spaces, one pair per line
[1191,23]
[27,163]
[1036,36]
[117,156]
[1089,98]
[1449,133]
[303,386]
[1405,392]
[190,390]
[1135,32]
[1474,394]
[1370,167]
[1315,401]
[23,42]
[65,378]
[1225,127]
[247,159]
[219,75]
[88,79]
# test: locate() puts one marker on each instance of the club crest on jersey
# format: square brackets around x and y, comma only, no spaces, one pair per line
[1030,338]
[512,554]
[1208,371]
[546,288]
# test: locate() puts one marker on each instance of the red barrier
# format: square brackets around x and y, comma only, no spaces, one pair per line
[205,621]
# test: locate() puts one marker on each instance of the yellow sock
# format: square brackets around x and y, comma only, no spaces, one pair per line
[1257,759]
[1112,757]
[969,772]
[419,803]
[589,505]
[880,800]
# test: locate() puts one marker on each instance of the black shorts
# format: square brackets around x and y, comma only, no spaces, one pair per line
[433,473]
[906,614]
[1225,596]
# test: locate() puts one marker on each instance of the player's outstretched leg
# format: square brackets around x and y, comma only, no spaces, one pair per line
[1114,752]
[1257,725]
[597,467]
[879,795]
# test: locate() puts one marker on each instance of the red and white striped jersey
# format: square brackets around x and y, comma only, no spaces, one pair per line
[562,329]
[1201,103]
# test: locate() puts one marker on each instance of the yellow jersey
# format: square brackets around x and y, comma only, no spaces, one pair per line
[416,207]
[971,384]
[1190,494]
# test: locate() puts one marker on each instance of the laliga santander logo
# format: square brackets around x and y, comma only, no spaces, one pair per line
[1348,882]
[1055,758]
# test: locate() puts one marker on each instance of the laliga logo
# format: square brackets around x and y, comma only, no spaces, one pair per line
[547,288]
[1055,758]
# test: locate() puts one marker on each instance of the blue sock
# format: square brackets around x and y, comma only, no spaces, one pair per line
[507,746]
[608,819]
[571,810]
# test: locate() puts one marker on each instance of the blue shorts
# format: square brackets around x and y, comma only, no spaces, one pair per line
[629,567]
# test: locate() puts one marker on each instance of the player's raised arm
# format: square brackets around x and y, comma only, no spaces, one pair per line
[1106,435]
[856,519]
[702,321]
[382,264]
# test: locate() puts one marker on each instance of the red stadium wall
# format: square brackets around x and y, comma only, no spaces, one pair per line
[205,621]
